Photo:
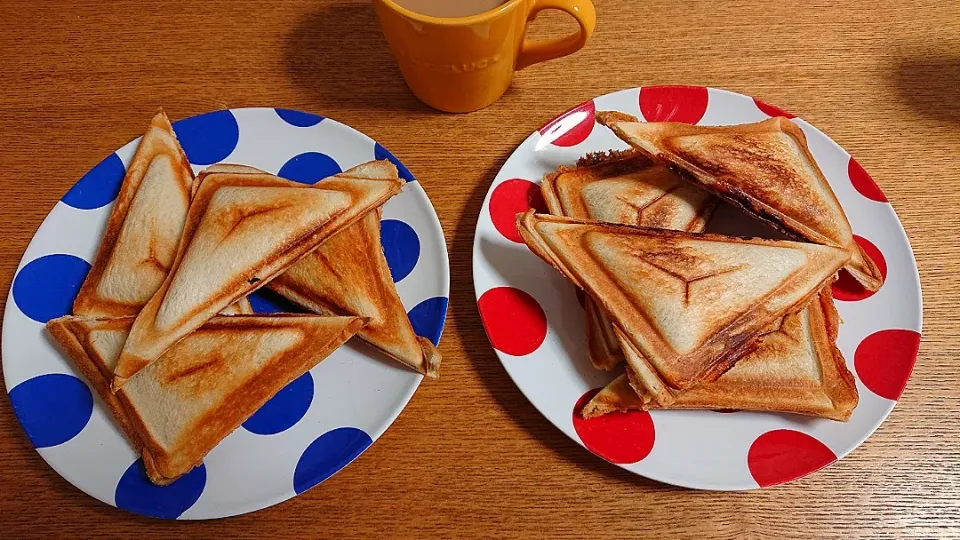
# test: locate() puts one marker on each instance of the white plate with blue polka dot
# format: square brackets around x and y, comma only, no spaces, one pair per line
[310,429]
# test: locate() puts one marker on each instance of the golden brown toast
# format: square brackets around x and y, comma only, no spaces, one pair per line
[240,307]
[623,187]
[689,305]
[797,368]
[243,230]
[143,231]
[177,409]
[764,168]
[348,275]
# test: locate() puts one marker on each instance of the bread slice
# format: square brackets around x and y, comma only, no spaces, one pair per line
[797,368]
[623,187]
[348,275]
[144,228]
[690,305]
[242,230]
[180,407]
[764,168]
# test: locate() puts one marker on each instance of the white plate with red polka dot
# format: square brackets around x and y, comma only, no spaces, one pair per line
[536,325]
[314,426]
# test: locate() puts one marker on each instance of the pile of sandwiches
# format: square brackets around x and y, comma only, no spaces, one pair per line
[700,320]
[162,327]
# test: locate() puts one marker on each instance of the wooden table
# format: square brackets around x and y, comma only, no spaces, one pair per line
[470,456]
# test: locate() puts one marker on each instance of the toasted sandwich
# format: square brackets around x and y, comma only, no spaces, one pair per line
[796,368]
[348,275]
[687,305]
[177,409]
[242,230]
[764,168]
[144,228]
[623,187]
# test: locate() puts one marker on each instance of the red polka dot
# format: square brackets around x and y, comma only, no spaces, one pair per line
[771,110]
[616,437]
[685,104]
[847,288]
[863,183]
[572,127]
[509,199]
[514,321]
[884,361]
[783,455]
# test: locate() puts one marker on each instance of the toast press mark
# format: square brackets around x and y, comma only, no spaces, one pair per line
[796,368]
[143,230]
[181,406]
[623,187]
[683,332]
[235,232]
[764,168]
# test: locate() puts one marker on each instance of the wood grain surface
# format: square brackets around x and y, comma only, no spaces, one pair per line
[470,457]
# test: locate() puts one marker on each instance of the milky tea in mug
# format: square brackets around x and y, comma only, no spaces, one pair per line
[450,8]
[460,55]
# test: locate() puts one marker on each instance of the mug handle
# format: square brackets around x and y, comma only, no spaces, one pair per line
[534,52]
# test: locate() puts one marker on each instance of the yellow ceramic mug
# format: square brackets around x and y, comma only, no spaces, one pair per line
[465,63]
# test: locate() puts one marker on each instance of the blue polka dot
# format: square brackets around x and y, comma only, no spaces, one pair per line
[136,493]
[428,317]
[266,301]
[52,408]
[44,289]
[328,454]
[284,409]
[401,246]
[380,152]
[298,118]
[99,186]
[208,138]
[309,168]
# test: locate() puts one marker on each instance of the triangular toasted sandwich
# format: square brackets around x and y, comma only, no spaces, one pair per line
[764,168]
[689,304]
[797,368]
[144,228]
[243,230]
[623,187]
[348,275]
[178,408]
